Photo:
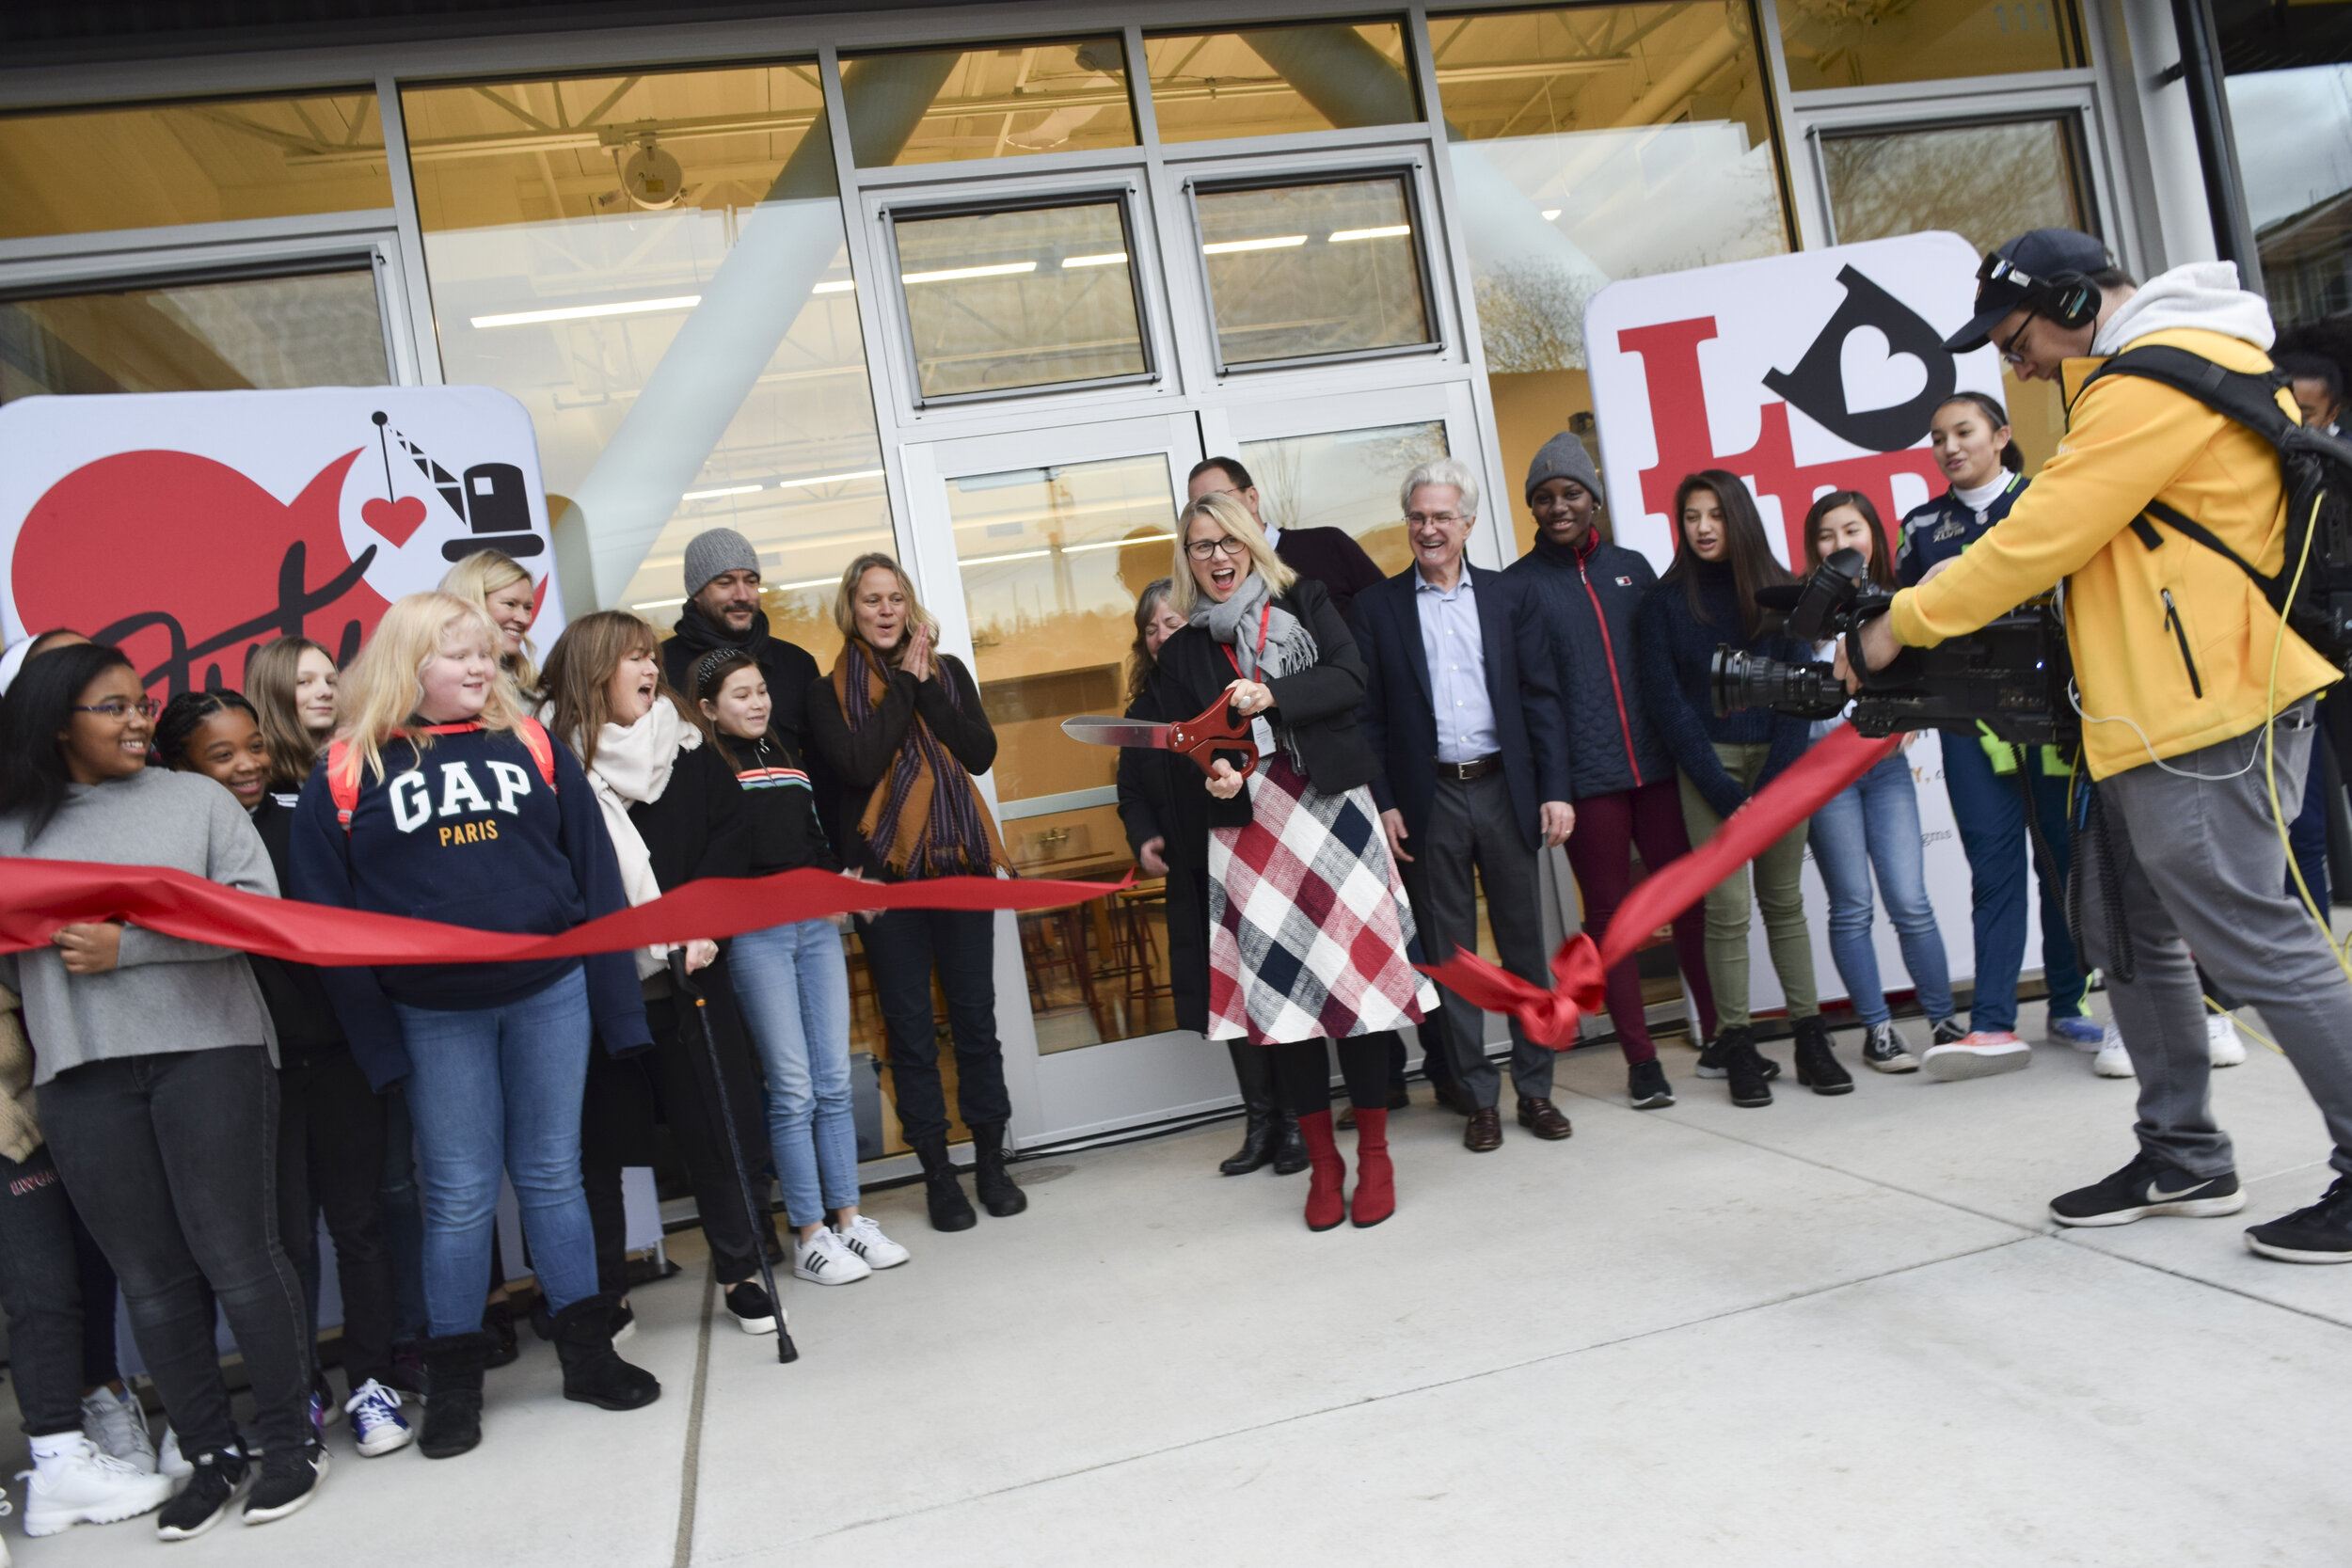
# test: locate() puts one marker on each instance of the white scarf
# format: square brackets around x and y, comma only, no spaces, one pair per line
[633,763]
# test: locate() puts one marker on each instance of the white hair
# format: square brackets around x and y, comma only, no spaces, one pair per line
[1441,470]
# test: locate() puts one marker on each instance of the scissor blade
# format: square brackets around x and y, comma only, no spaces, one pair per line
[1097,731]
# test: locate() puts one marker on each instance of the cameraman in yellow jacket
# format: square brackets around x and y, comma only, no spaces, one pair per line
[2181,667]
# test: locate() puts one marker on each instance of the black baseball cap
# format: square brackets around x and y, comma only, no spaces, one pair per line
[2019,271]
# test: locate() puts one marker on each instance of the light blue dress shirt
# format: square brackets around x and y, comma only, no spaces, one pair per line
[1457,668]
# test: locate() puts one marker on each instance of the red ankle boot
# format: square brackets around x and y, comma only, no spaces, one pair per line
[1375,1179]
[1325,1206]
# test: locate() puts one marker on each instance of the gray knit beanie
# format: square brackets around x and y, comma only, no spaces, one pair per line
[1563,457]
[716,551]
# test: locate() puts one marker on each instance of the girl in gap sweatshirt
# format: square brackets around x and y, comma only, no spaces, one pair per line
[461,810]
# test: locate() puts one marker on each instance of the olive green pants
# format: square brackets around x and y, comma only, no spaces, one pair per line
[1779,893]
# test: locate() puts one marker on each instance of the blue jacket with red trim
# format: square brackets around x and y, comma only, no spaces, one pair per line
[1587,599]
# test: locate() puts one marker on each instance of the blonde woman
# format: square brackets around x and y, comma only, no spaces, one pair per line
[497,584]
[439,799]
[291,682]
[900,725]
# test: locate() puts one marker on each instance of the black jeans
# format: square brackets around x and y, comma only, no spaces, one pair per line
[59,1296]
[1302,1074]
[902,946]
[330,1161]
[172,1161]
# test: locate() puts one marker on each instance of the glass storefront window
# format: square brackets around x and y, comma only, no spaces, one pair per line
[1343,479]
[1590,145]
[318,329]
[2294,132]
[88,170]
[1309,271]
[654,263]
[1279,81]
[1021,297]
[996,103]
[1854,43]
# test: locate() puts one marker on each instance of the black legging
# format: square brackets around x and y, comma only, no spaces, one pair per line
[1302,1074]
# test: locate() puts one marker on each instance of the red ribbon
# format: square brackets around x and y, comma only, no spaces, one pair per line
[1579,968]
[44,895]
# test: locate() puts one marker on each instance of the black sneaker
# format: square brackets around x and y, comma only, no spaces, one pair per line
[1645,1082]
[2319,1234]
[1711,1062]
[1950,1031]
[204,1502]
[753,1311]
[286,1482]
[1885,1050]
[1745,1067]
[2146,1187]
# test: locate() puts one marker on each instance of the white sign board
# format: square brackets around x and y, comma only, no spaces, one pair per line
[1802,374]
[191,528]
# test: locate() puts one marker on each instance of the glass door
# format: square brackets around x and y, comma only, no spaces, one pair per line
[1031,548]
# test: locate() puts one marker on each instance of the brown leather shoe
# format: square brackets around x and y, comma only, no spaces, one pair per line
[1543,1119]
[1484,1135]
[1450,1099]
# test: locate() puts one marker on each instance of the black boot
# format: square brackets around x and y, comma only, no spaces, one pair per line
[1255,1074]
[1290,1154]
[950,1210]
[498,1321]
[1744,1065]
[453,1416]
[1817,1068]
[593,1373]
[1000,1194]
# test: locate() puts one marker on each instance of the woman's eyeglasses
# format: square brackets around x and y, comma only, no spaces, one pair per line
[1200,549]
[118,711]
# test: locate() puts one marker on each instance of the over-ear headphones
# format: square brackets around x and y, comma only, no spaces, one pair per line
[2067,300]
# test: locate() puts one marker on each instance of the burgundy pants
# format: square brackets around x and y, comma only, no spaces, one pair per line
[1607,829]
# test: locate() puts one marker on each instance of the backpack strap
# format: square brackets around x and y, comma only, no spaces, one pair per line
[343,786]
[2245,396]
[533,735]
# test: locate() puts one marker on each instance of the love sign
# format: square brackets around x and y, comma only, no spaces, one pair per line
[190,527]
[1801,374]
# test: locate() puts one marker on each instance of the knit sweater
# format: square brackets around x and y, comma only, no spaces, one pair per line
[1677,650]
[164,993]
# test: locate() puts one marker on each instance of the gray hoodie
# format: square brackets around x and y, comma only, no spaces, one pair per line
[166,993]
[2204,294]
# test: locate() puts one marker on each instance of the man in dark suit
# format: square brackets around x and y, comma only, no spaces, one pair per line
[1462,710]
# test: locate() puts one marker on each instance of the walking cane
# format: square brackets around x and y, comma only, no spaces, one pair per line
[785,1350]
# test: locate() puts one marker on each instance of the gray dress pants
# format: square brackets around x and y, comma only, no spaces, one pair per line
[1472,826]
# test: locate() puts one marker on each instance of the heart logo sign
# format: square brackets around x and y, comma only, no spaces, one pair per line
[1874,376]
[395,519]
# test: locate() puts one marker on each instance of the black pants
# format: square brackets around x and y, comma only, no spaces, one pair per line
[1302,1074]
[172,1161]
[903,947]
[59,1296]
[330,1161]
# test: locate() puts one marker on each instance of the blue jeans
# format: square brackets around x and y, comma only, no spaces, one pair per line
[793,983]
[1993,830]
[492,1088]
[1875,822]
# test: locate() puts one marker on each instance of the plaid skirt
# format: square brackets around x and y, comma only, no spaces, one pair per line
[1308,922]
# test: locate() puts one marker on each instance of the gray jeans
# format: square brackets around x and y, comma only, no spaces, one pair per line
[2200,867]
[1471,825]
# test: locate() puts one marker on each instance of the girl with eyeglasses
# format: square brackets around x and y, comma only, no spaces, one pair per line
[157,1092]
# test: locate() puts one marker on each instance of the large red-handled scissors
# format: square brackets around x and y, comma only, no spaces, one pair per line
[1200,738]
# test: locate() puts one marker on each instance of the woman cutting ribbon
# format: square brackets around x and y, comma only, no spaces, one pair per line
[1308,924]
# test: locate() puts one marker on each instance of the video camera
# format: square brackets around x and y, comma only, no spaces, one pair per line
[2010,677]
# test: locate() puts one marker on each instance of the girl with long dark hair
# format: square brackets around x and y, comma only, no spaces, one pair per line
[1873,823]
[154,1072]
[1705,599]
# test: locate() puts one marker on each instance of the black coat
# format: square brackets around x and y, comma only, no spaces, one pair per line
[1316,708]
[788,668]
[1400,724]
[1331,557]
[1589,603]
[1144,809]
[858,759]
[296,997]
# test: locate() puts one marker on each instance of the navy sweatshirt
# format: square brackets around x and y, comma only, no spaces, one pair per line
[469,833]
[1941,529]
[298,1003]
[1677,649]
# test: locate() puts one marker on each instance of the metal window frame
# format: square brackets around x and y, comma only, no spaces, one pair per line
[1408,174]
[2071,130]
[868,176]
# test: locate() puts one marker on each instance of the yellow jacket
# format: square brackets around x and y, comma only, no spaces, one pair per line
[2175,639]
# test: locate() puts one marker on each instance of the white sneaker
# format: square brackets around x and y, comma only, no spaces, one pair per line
[1977,1054]
[828,1261]
[115,1424]
[82,1486]
[169,1460]
[2113,1061]
[866,1239]
[2224,1046]
[7,1508]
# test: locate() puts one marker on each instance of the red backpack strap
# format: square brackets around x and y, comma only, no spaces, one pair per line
[533,736]
[342,785]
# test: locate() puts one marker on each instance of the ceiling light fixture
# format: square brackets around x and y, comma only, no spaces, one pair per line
[952,274]
[713,495]
[1391,231]
[1109,259]
[1229,247]
[589,312]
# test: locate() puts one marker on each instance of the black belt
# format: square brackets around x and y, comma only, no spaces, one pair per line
[1478,767]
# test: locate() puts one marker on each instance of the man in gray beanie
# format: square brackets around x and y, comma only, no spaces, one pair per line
[723,612]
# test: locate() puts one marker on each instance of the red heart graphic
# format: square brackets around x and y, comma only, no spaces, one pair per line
[394,519]
[217,564]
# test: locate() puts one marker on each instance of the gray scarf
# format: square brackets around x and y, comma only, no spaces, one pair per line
[1289,646]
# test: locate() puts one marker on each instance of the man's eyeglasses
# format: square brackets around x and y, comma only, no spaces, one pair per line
[2009,355]
[1443,519]
[118,711]
[1201,550]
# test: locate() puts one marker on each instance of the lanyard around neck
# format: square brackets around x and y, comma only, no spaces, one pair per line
[1265,619]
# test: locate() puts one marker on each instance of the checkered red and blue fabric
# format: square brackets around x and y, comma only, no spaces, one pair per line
[1308,922]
